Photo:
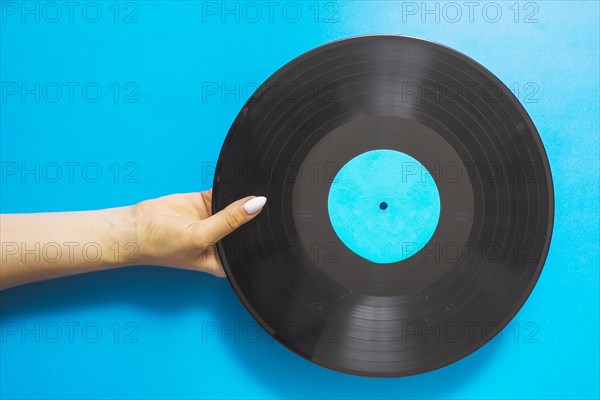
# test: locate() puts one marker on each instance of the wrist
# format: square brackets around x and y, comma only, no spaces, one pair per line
[123,239]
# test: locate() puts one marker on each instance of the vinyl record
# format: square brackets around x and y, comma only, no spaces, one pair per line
[410,205]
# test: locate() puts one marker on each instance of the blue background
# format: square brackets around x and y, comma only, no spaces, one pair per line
[173,134]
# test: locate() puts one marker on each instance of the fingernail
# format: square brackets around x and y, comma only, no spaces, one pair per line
[254,205]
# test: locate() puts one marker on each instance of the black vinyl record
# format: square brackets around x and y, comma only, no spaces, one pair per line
[340,295]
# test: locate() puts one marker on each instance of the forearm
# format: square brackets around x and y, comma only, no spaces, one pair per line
[49,245]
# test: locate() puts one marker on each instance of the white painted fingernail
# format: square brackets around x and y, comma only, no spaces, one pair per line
[254,205]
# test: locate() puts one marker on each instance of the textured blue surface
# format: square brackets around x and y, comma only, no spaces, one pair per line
[384,205]
[190,72]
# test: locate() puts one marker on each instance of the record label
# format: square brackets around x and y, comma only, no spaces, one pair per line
[384,205]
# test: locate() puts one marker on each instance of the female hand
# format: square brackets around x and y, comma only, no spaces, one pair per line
[179,230]
[176,231]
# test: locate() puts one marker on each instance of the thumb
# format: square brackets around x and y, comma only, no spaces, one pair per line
[221,224]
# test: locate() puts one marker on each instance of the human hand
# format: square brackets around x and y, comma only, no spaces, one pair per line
[179,230]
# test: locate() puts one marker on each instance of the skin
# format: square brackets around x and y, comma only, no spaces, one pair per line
[176,231]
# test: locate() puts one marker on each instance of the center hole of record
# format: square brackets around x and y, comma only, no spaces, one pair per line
[384,177]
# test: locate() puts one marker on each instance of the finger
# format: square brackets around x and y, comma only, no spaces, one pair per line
[232,217]
[211,265]
[206,197]
[210,262]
